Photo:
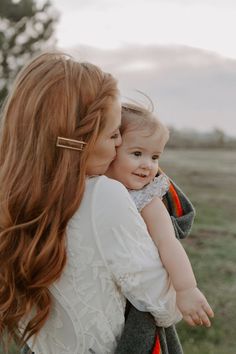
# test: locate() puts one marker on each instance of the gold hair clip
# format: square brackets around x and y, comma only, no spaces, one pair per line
[70,143]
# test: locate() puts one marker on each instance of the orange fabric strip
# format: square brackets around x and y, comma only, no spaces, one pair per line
[178,206]
[157,347]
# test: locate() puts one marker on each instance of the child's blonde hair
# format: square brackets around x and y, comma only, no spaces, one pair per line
[137,117]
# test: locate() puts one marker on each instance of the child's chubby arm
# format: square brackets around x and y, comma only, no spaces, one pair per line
[190,301]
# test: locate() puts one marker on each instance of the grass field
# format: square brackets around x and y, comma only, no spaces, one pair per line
[208,178]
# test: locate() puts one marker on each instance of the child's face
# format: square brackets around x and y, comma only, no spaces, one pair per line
[136,162]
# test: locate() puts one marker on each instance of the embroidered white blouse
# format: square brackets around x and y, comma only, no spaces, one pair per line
[111,257]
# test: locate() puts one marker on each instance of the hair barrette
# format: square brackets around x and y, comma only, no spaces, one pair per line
[70,143]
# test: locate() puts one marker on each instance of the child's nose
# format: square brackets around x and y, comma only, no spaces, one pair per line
[146,164]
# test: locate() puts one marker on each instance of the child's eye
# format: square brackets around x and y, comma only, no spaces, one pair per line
[155,157]
[137,153]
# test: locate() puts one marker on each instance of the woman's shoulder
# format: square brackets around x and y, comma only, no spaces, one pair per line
[109,195]
[106,185]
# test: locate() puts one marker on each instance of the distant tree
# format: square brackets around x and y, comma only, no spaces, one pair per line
[219,137]
[201,140]
[26,27]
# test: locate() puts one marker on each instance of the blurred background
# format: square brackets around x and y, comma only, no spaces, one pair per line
[182,54]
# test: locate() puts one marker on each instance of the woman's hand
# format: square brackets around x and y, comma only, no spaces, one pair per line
[194,307]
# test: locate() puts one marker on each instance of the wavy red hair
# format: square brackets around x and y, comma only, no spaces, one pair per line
[42,185]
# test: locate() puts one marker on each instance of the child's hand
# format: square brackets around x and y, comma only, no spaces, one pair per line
[194,307]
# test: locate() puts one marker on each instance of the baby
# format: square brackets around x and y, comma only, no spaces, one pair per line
[136,166]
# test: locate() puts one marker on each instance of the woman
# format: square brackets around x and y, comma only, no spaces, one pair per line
[72,244]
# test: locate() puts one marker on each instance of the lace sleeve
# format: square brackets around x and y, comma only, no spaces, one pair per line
[131,256]
[157,188]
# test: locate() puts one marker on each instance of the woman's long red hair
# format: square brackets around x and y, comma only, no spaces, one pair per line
[41,185]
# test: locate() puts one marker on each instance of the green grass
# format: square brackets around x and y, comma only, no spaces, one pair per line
[208,178]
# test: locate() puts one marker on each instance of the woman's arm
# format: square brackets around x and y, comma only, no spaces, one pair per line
[190,300]
[130,254]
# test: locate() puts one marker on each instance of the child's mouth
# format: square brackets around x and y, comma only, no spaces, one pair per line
[140,175]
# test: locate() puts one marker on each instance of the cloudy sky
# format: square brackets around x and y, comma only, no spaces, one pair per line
[182,53]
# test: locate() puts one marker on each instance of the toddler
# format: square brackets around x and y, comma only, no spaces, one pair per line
[136,166]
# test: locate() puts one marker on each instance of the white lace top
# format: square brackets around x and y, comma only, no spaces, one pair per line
[158,187]
[111,257]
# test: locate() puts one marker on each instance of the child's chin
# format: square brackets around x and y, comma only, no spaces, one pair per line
[137,186]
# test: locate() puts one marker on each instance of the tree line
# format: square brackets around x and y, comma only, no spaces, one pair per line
[192,139]
[26,28]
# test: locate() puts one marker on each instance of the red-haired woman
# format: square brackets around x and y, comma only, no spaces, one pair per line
[73,247]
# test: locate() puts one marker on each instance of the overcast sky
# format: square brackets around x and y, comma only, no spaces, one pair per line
[182,53]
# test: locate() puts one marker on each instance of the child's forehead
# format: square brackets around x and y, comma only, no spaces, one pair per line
[144,138]
[141,133]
